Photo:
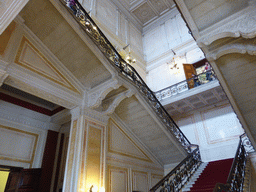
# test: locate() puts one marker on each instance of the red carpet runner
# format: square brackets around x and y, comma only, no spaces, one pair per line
[215,172]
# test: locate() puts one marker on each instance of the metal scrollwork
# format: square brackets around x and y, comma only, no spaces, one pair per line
[179,176]
[236,176]
[183,86]
[125,69]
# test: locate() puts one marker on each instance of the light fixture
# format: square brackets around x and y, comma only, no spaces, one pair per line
[176,63]
[93,188]
[127,57]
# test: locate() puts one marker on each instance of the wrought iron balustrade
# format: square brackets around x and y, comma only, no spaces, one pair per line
[236,175]
[178,177]
[185,85]
[93,31]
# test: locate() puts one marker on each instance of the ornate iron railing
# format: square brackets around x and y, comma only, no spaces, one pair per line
[236,175]
[185,85]
[178,177]
[93,31]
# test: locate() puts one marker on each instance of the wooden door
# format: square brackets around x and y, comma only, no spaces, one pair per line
[189,70]
[13,181]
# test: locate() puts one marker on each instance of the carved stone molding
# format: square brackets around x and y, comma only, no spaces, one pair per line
[96,96]
[241,24]
[3,76]
[241,48]
[9,11]
[26,121]
[95,115]
[39,91]
[111,107]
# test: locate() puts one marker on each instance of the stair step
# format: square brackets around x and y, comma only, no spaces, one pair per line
[195,176]
[214,172]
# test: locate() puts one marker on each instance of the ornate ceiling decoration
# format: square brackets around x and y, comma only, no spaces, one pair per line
[145,11]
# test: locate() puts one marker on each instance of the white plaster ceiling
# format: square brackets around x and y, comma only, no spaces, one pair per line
[145,11]
[203,99]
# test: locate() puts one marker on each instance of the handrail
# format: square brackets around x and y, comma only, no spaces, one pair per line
[236,175]
[93,31]
[178,177]
[185,85]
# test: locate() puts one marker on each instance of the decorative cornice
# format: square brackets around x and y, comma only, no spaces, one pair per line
[61,117]
[29,86]
[117,100]
[24,120]
[96,95]
[95,116]
[241,48]
[241,24]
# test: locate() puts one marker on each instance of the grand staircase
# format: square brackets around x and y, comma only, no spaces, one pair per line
[214,172]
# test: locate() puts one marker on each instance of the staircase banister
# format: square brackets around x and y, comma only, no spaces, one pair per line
[131,75]
[237,171]
[232,170]
[186,80]
[166,178]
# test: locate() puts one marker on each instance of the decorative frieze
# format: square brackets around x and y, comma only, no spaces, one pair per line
[241,24]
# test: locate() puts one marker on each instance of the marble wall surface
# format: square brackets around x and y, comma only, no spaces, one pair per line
[216,130]
[159,43]
[118,29]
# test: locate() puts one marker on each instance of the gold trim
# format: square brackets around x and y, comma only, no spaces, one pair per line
[133,177]
[6,36]
[28,66]
[34,148]
[130,139]
[94,157]
[71,154]
[109,167]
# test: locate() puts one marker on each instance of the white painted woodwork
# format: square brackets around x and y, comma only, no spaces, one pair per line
[135,116]
[9,9]
[204,95]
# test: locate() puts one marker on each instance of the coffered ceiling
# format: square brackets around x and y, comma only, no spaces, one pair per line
[145,11]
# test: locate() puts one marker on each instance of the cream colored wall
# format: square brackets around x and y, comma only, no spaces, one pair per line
[238,71]
[216,130]
[23,136]
[129,166]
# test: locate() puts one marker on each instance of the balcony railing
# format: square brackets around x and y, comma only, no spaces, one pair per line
[93,31]
[178,177]
[237,173]
[185,85]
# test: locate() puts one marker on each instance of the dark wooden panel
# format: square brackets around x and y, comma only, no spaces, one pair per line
[48,161]
[30,180]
